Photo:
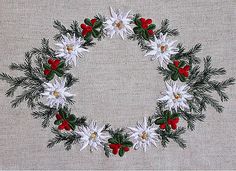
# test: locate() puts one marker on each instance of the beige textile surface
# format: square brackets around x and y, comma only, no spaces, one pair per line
[118,84]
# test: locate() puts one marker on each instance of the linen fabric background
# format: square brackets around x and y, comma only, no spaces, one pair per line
[117,84]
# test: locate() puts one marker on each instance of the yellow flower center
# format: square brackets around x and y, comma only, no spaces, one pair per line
[56,94]
[69,48]
[177,96]
[163,48]
[144,135]
[93,135]
[118,24]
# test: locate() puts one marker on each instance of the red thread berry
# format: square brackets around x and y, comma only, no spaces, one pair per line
[150,32]
[145,23]
[126,149]
[46,71]
[58,116]
[176,63]
[93,21]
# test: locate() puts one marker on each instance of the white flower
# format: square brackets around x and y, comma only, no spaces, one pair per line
[118,23]
[144,135]
[92,136]
[56,93]
[70,49]
[162,49]
[176,96]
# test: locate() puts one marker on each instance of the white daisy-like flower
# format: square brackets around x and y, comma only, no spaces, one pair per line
[118,23]
[92,136]
[162,49]
[56,93]
[144,135]
[176,96]
[70,48]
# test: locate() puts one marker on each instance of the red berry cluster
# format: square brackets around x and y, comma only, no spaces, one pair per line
[171,122]
[88,28]
[64,125]
[65,120]
[183,71]
[145,24]
[53,66]
[116,147]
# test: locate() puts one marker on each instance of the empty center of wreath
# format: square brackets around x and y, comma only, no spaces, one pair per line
[115,83]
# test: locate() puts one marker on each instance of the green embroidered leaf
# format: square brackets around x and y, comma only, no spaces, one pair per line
[97,24]
[137,30]
[72,126]
[138,22]
[145,35]
[112,141]
[58,122]
[88,22]
[159,121]
[50,76]
[121,152]
[182,78]
[168,128]
[174,76]
[46,66]
[64,115]
[72,118]
[151,26]
[181,64]
[87,37]
[95,33]
[61,65]
[172,67]
[59,73]
[127,144]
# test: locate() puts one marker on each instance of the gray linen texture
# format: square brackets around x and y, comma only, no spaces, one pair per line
[117,84]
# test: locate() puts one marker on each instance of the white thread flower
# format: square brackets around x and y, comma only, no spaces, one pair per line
[92,136]
[118,23]
[176,97]
[162,49]
[56,93]
[70,48]
[144,135]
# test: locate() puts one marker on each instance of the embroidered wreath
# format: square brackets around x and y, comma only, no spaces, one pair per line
[47,78]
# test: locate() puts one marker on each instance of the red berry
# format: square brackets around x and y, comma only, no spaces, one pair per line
[67,127]
[61,127]
[93,21]
[176,63]
[150,32]
[84,32]
[144,26]
[149,21]
[83,26]
[163,126]
[185,73]
[58,116]
[181,70]
[46,71]
[112,146]
[173,126]
[55,64]
[89,28]
[175,120]
[115,151]
[142,20]
[187,67]
[169,121]
[50,61]
[126,149]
